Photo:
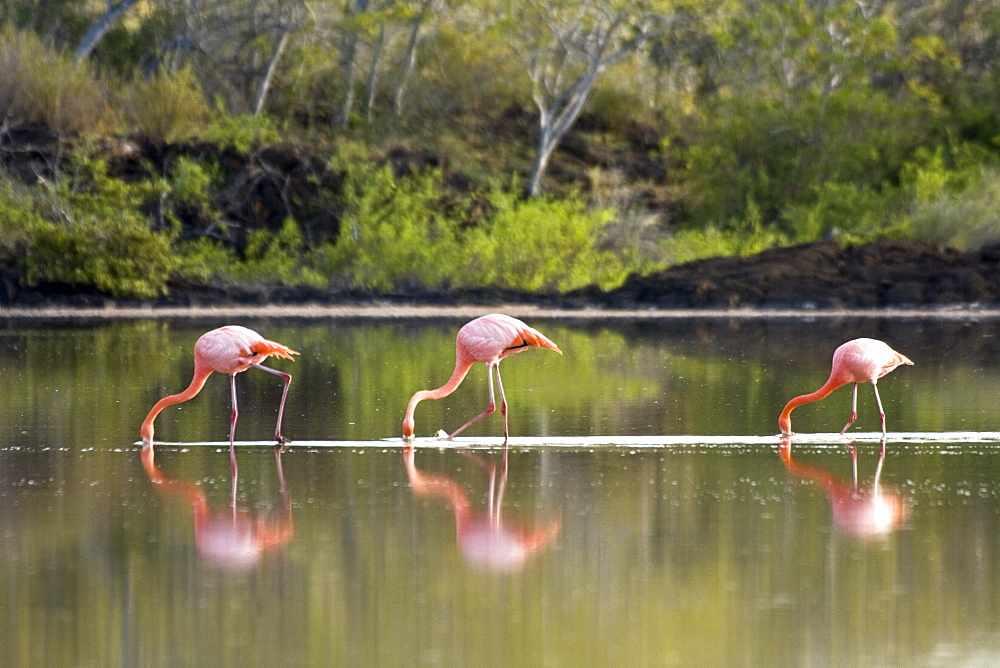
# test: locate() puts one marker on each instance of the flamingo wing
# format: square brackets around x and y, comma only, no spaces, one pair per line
[231,349]
[492,337]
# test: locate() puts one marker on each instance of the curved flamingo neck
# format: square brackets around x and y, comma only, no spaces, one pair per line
[437,486]
[785,419]
[201,374]
[462,366]
[821,476]
[194,494]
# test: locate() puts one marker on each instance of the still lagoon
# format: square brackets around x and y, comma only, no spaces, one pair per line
[645,513]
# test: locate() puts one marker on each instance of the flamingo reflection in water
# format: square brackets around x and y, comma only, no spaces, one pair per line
[230,350]
[485,540]
[865,512]
[229,539]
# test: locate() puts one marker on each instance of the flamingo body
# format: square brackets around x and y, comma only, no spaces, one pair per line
[233,349]
[864,512]
[857,361]
[228,539]
[228,350]
[485,539]
[487,339]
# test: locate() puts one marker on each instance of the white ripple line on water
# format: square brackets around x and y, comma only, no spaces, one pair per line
[542,442]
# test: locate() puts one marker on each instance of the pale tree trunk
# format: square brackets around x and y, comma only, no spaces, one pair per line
[265,84]
[554,123]
[564,70]
[100,29]
[410,59]
[373,73]
[349,65]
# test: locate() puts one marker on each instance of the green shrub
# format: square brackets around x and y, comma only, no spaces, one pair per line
[205,260]
[967,219]
[19,215]
[278,258]
[938,171]
[119,257]
[89,232]
[168,107]
[743,238]
[845,211]
[393,232]
[242,132]
[41,85]
[193,182]
[540,244]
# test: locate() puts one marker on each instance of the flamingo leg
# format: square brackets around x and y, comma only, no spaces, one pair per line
[854,466]
[503,484]
[281,440]
[489,409]
[232,432]
[878,470]
[494,520]
[854,407]
[503,405]
[281,479]
[878,402]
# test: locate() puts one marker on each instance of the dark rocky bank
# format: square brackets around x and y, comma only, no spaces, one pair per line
[823,275]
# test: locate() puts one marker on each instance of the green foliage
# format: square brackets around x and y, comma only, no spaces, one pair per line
[86,231]
[751,124]
[120,257]
[242,132]
[19,216]
[192,185]
[205,260]
[167,107]
[393,232]
[967,219]
[845,211]
[936,172]
[396,234]
[269,258]
[540,244]
[192,182]
[764,151]
[41,85]
[743,238]
[277,258]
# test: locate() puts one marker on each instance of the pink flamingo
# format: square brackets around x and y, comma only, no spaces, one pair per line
[230,539]
[487,339]
[857,361]
[486,540]
[860,511]
[228,350]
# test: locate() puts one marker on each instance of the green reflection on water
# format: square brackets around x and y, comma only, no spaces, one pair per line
[354,378]
[683,556]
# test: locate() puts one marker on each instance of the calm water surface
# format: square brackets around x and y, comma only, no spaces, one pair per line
[749,552]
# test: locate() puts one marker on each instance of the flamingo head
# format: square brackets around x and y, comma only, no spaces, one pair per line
[785,425]
[408,429]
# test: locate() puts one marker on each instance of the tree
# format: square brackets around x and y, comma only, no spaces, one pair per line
[236,45]
[568,44]
[420,17]
[100,28]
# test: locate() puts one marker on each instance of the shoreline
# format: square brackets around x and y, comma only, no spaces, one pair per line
[394,311]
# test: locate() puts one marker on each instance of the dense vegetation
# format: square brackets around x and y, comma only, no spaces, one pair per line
[534,145]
